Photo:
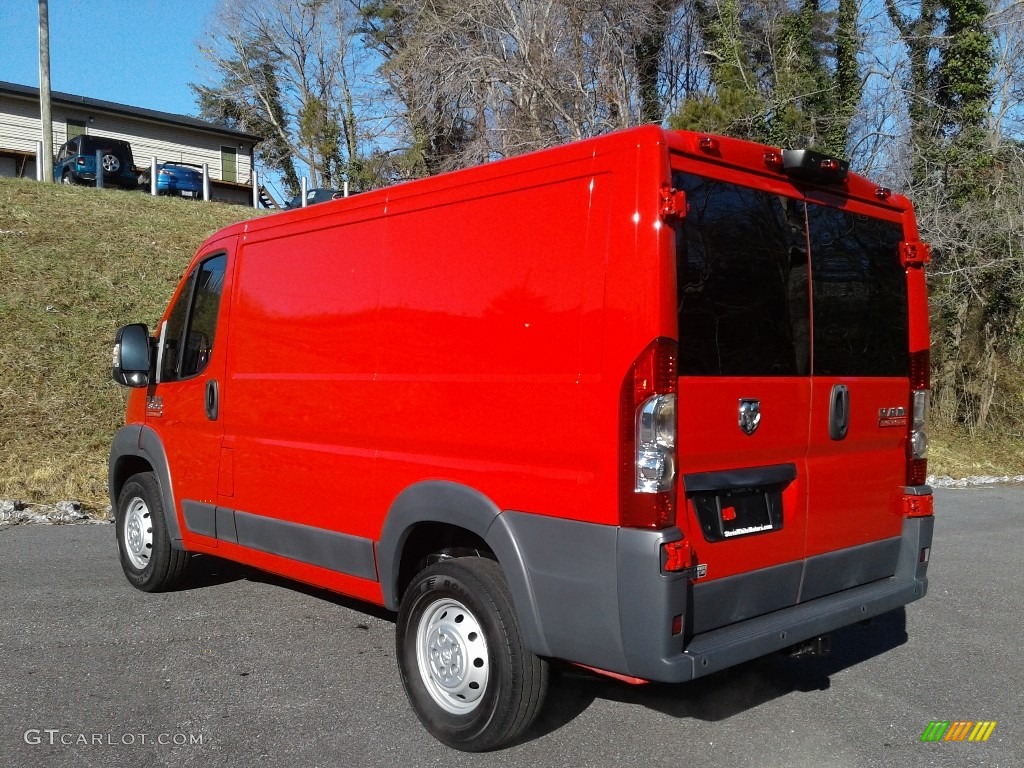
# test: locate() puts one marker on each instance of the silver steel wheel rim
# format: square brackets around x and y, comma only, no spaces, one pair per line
[451,655]
[111,163]
[138,533]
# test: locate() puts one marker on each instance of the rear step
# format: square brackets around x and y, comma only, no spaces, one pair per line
[746,640]
[816,646]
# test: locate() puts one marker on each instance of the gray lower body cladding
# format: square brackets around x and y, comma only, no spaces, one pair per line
[600,598]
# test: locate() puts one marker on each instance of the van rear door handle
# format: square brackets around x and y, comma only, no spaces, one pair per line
[212,399]
[839,412]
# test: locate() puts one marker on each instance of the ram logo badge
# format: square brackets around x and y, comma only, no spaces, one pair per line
[750,415]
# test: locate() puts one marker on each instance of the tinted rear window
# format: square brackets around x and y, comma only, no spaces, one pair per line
[117,146]
[742,282]
[743,293]
[860,295]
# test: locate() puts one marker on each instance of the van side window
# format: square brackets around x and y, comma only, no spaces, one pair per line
[192,323]
[741,260]
[175,328]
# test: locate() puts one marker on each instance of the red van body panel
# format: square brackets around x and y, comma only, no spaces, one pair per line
[442,365]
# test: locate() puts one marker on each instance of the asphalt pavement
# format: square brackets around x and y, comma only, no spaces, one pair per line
[243,669]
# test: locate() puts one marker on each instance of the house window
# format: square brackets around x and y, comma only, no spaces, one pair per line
[75,128]
[228,164]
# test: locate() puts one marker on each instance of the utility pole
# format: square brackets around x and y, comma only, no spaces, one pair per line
[44,89]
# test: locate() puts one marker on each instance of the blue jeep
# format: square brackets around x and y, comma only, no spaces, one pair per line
[76,161]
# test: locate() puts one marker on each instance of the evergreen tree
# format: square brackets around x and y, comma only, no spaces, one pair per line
[778,75]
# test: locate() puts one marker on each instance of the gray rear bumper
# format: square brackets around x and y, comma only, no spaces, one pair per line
[595,595]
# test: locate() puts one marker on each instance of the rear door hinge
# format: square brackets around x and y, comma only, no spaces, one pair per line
[914,253]
[673,203]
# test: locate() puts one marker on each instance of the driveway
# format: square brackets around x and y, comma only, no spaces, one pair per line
[242,669]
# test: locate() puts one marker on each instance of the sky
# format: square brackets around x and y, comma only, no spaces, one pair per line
[142,53]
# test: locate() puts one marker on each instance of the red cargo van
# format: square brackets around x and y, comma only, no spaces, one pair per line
[652,403]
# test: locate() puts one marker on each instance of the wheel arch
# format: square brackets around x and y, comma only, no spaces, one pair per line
[139,449]
[427,517]
[426,538]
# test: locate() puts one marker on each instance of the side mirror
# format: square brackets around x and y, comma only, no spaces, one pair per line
[131,364]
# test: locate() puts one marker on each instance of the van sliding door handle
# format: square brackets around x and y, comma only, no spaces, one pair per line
[839,412]
[212,399]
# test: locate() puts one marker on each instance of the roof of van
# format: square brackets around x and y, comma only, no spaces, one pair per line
[737,154]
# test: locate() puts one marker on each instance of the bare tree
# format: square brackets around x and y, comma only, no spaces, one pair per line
[296,73]
[1006,22]
[492,78]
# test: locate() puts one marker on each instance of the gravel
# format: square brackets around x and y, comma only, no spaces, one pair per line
[61,513]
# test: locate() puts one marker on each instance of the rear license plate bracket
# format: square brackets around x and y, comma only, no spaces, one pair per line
[735,512]
[738,503]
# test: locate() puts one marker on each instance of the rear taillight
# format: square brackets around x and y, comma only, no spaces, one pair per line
[918,506]
[656,444]
[917,438]
[648,438]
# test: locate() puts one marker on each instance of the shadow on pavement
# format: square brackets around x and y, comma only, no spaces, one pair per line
[210,571]
[727,693]
[572,690]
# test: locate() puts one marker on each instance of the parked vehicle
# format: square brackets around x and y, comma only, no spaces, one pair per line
[314,196]
[76,161]
[180,179]
[651,403]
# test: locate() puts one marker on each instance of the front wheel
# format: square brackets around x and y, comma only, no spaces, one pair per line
[466,669]
[147,558]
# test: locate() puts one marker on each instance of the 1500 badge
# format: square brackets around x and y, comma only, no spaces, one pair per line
[892,417]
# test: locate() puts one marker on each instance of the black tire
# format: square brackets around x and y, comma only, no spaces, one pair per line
[472,690]
[144,545]
[65,178]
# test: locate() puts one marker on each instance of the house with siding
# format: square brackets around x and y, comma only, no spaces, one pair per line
[167,137]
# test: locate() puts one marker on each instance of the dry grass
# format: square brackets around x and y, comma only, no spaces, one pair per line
[958,454]
[76,264]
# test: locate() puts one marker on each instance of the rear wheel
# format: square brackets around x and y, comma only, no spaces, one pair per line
[466,669]
[65,178]
[147,558]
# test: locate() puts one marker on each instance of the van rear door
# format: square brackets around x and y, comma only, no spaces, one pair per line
[793,391]
[856,462]
[744,394]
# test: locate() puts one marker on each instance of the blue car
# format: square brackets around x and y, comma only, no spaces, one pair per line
[175,179]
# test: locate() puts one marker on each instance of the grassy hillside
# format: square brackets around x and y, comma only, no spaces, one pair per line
[75,264]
